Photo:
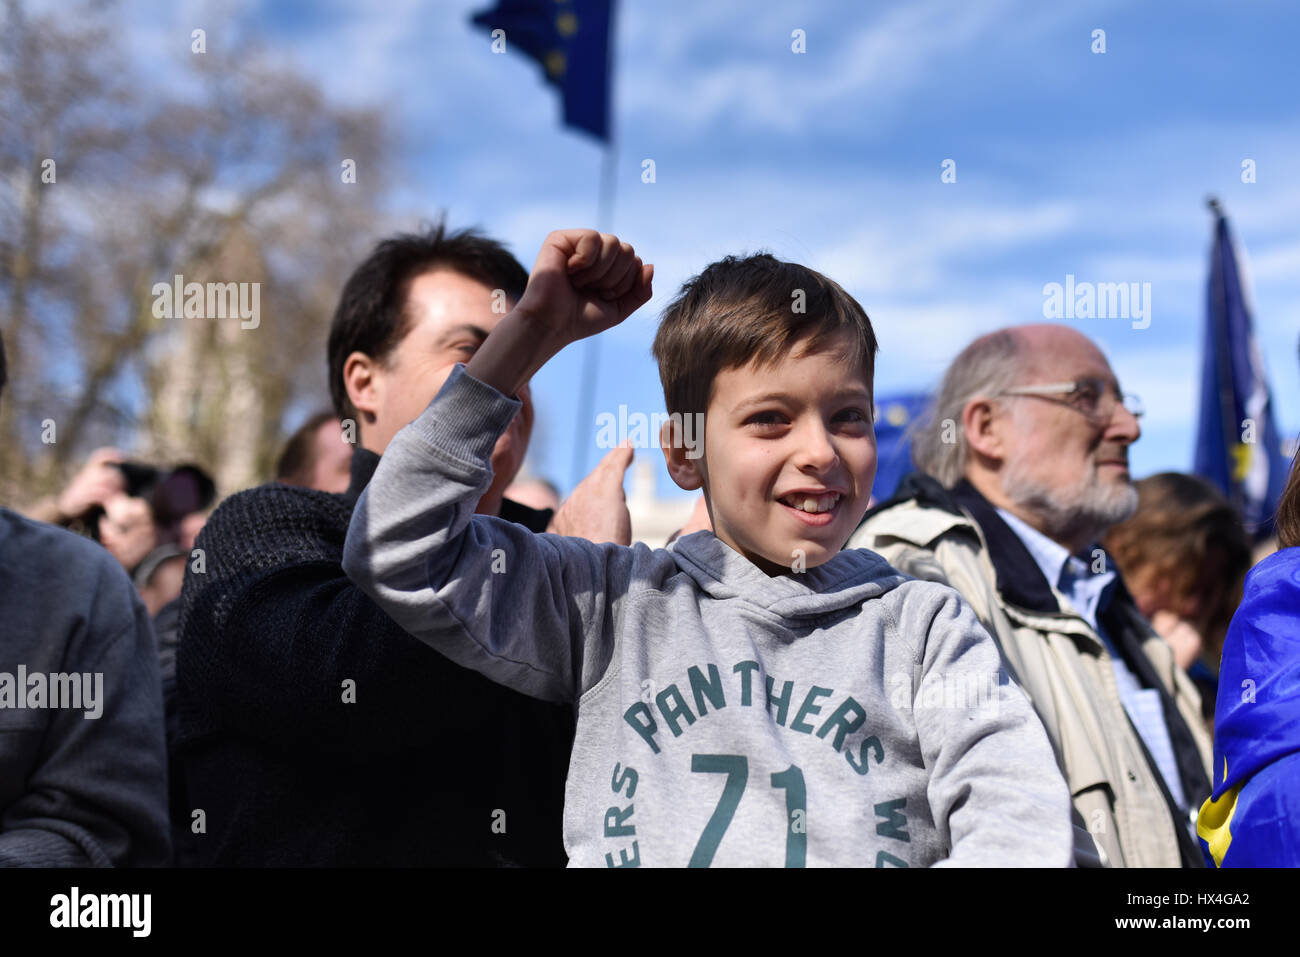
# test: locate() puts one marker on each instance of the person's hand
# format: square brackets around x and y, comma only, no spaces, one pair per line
[96,483]
[698,522]
[583,283]
[1181,635]
[597,509]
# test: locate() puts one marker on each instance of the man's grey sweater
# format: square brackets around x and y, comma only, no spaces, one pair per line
[845,715]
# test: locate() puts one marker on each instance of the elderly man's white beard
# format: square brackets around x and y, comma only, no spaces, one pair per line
[1082,511]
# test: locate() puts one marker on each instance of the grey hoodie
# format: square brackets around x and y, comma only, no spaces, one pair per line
[846,715]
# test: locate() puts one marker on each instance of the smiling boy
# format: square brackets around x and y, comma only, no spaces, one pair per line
[738,696]
[788,405]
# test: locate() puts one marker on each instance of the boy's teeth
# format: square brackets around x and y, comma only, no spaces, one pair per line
[809,503]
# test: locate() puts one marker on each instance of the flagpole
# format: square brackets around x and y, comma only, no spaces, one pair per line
[587,387]
[604,224]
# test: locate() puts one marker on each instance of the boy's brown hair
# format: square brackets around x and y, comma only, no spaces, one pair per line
[740,310]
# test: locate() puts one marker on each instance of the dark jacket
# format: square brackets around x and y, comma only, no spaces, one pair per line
[84,783]
[315,731]
[166,626]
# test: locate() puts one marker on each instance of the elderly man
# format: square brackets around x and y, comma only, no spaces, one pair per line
[1026,463]
[314,730]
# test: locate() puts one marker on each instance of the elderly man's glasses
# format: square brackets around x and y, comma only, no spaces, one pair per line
[1095,398]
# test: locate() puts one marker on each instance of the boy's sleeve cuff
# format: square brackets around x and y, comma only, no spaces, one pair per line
[466,417]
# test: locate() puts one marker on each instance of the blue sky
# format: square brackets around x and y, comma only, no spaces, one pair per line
[1067,162]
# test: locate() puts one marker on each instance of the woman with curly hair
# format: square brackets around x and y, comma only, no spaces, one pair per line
[1183,556]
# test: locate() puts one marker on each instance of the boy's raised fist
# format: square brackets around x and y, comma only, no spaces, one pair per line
[583,283]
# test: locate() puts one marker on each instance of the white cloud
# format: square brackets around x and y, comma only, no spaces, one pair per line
[741,68]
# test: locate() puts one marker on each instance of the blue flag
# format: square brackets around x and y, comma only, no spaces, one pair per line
[571,40]
[1252,817]
[1238,447]
[897,419]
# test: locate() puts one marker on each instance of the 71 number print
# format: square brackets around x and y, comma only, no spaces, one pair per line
[736,768]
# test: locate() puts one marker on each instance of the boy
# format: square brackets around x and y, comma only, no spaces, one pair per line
[753,696]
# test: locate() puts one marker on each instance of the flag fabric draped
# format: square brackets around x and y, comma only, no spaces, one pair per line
[1252,818]
[571,41]
[1238,446]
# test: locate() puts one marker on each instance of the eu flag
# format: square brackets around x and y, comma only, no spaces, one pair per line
[570,39]
[1252,818]
[896,421]
[1238,447]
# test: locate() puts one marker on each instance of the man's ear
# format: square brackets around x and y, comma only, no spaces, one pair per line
[980,424]
[686,471]
[360,382]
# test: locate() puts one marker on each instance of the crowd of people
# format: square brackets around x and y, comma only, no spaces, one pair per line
[403,652]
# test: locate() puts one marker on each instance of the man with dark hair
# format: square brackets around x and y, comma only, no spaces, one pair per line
[439,294]
[317,456]
[82,762]
[314,731]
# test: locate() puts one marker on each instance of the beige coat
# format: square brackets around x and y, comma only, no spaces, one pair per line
[1065,669]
